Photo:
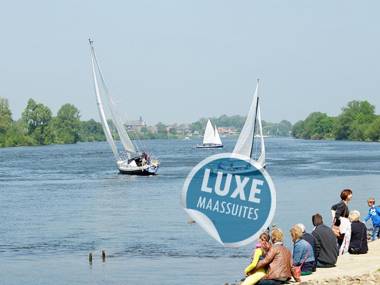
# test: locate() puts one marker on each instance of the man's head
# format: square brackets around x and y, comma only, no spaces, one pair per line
[317,220]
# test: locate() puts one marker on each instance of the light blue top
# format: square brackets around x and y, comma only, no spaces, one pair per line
[301,250]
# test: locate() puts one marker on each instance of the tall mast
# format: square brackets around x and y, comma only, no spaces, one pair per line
[103,118]
[254,124]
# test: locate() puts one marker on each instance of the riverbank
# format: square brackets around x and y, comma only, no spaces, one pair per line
[350,269]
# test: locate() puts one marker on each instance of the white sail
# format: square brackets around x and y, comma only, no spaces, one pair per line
[128,145]
[102,115]
[124,138]
[209,136]
[217,137]
[245,142]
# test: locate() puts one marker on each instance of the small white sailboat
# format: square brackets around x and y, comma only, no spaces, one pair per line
[211,138]
[246,144]
[131,160]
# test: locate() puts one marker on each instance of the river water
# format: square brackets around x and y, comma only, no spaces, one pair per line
[60,202]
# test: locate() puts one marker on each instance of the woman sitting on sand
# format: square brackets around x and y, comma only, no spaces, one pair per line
[254,276]
[278,260]
[303,254]
[358,242]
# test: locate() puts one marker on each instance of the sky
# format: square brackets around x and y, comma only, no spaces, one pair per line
[178,61]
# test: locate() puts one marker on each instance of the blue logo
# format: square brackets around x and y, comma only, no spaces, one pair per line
[231,197]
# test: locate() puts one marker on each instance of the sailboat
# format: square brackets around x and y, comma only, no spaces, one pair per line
[246,144]
[211,138]
[130,160]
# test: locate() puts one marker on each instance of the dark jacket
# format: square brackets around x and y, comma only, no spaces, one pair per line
[358,242]
[341,210]
[279,262]
[326,245]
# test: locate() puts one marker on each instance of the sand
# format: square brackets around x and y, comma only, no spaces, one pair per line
[350,269]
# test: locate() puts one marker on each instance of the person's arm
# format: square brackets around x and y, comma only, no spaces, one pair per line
[340,209]
[368,216]
[267,260]
[255,260]
[297,254]
[293,274]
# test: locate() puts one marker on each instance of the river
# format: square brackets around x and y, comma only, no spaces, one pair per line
[60,202]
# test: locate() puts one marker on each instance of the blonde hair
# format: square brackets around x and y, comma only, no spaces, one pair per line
[277,235]
[296,232]
[354,216]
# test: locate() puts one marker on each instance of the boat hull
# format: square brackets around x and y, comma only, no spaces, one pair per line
[146,170]
[210,146]
[143,172]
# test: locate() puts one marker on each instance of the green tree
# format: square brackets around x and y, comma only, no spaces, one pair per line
[373,130]
[284,128]
[162,132]
[316,126]
[67,124]
[5,119]
[36,118]
[298,130]
[91,131]
[147,134]
[353,120]
[16,135]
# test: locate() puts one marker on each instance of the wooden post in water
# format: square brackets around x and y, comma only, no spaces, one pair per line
[90,257]
[103,255]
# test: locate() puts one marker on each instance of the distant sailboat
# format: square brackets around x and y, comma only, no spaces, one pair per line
[211,138]
[131,160]
[252,129]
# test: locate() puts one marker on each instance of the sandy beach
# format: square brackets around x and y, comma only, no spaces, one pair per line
[350,269]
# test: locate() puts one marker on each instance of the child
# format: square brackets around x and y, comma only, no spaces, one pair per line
[253,276]
[374,215]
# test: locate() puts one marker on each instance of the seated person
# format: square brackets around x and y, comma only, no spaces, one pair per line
[326,244]
[278,259]
[358,242]
[303,254]
[310,239]
[254,276]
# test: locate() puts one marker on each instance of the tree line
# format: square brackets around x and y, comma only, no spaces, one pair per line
[357,121]
[38,126]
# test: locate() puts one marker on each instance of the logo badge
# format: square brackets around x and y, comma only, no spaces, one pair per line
[231,197]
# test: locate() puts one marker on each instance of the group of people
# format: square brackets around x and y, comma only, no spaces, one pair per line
[272,263]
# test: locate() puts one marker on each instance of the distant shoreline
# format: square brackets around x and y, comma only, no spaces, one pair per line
[143,139]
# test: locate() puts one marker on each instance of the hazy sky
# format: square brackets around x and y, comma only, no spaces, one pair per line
[177,61]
